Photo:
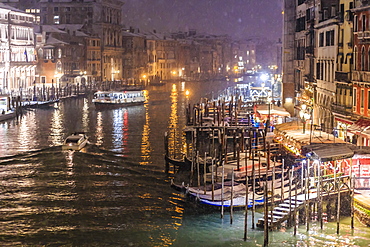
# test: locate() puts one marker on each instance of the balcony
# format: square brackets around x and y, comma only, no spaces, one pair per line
[367,34]
[309,49]
[360,35]
[361,76]
[341,109]
[343,76]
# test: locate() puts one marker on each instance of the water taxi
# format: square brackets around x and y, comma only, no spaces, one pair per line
[134,97]
[76,141]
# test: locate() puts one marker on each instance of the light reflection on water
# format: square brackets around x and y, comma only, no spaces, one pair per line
[211,230]
[56,128]
[115,192]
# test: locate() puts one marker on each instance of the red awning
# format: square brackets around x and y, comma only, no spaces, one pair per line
[342,120]
[360,127]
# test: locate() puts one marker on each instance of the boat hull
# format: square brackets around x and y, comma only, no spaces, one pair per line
[119,98]
[117,104]
[78,143]
[7,116]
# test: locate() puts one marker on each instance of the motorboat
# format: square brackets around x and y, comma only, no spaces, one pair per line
[120,98]
[76,141]
[5,110]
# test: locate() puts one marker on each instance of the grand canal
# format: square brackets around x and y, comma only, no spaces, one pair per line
[115,191]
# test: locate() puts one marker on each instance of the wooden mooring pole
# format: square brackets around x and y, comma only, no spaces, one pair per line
[222,190]
[213,179]
[253,189]
[232,197]
[352,194]
[246,204]
[166,150]
[266,224]
[319,210]
[290,196]
[282,181]
[337,186]
[198,170]
[295,210]
[307,191]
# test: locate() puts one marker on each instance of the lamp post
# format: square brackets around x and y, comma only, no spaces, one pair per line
[144,79]
[52,89]
[305,115]
[302,115]
[173,74]
[43,91]
[183,73]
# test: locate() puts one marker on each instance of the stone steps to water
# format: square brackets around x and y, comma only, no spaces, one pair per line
[279,213]
[286,205]
[275,217]
[294,202]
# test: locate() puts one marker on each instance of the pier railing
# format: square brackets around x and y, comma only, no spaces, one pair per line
[331,185]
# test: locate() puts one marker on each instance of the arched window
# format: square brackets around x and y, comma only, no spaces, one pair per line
[363,57]
[363,23]
[354,61]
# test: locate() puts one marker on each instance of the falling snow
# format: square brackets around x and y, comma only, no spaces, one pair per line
[238,18]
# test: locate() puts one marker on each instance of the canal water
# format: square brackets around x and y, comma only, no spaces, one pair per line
[115,191]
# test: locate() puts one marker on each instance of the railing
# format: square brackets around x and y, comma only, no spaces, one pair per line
[362,183]
[342,109]
[363,76]
[331,184]
[360,35]
[342,76]
[367,34]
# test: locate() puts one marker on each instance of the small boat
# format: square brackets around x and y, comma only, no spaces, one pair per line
[5,110]
[233,195]
[76,141]
[119,98]
[6,115]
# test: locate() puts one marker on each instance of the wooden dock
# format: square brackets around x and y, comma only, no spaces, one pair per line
[288,209]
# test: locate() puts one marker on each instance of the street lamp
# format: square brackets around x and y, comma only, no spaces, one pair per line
[144,78]
[305,115]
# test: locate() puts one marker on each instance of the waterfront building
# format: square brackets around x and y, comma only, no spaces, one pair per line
[325,57]
[215,55]
[288,80]
[342,106]
[244,57]
[361,73]
[93,58]
[135,57]
[162,56]
[98,18]
[17,63]
[61,49]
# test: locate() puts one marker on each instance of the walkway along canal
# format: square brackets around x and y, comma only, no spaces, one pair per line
[224,147]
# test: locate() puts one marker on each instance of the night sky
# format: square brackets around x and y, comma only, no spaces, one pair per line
[240,19]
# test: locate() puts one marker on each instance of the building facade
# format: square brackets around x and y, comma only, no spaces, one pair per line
[98,18]
[17,63]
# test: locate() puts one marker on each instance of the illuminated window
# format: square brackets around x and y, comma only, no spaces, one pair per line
[56,19]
